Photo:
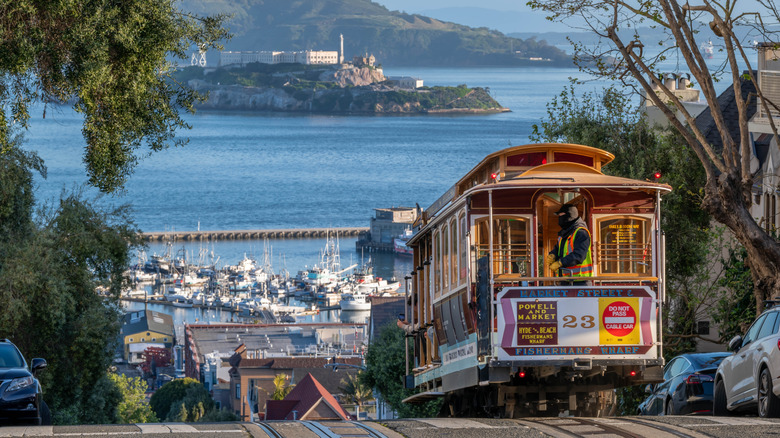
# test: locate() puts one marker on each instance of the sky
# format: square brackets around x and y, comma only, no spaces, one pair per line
[517,18]
[521,18]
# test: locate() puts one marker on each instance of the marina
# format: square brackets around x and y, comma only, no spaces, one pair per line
[251,291]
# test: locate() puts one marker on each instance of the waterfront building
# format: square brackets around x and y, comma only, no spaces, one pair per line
[143,329]
[387,224]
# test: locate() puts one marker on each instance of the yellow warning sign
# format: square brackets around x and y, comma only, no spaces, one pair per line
[619,321]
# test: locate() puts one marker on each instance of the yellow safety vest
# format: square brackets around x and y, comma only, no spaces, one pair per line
[585,268]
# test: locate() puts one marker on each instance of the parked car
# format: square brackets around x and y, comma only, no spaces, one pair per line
[749,379]
[687,386]
[20,391]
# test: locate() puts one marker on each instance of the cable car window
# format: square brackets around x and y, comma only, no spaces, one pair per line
[467,317]
[573,158]
[463,248]
[445,259]
[436,264]
[511,246]
[624,246]
[453,253]
[458,319]
[527,160]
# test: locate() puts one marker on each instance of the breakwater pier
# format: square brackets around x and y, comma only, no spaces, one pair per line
[291,233]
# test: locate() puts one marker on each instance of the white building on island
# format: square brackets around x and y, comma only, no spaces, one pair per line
[308,57]
[272,57]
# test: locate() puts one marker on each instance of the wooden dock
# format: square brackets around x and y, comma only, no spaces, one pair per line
[293,233]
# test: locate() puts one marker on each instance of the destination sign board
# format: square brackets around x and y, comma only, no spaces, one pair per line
[572,321]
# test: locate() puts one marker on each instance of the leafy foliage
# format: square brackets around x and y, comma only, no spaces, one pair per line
[355,390]
[385,371]
[133,408]
[110,59]
[736,311]
[182,400]
[282,387]
[51,264]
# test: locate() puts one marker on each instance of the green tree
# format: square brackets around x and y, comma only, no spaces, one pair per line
[182,400]
[51,262]
[355,389]
[736,311]
[112,62]
[385,369]
[282,387]
[133,408]
[723,155]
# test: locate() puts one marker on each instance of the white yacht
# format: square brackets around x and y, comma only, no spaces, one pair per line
[355,301]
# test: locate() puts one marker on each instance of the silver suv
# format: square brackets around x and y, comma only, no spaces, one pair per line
[750,378]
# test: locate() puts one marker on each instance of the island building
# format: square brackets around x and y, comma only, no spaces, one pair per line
[308,57]
[405,82]
[238,362]
[143,329]
[386,225]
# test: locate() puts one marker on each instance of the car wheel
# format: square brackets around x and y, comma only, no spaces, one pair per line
[768,402]
[669,407]
[719,400]
[45,414]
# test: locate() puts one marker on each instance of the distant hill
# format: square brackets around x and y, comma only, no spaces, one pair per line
[508,22]
[395,38]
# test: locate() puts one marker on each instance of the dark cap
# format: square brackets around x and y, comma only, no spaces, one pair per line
[570,212]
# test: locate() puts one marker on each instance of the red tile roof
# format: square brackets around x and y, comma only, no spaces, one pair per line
[305,394]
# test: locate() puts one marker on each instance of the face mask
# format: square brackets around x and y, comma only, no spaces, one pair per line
[563,220]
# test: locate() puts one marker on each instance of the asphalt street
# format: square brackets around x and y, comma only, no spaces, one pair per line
[565,427]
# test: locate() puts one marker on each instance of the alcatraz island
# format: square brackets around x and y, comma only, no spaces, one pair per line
[322,82]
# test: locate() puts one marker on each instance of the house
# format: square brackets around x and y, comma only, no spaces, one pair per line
[309,400]
[143,329]
[251,377]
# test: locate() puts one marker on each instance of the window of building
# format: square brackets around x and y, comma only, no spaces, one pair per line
[624,246]
[154,339]
[703,328]
[143,339]
[165,339]
[238,391]
[131,340]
